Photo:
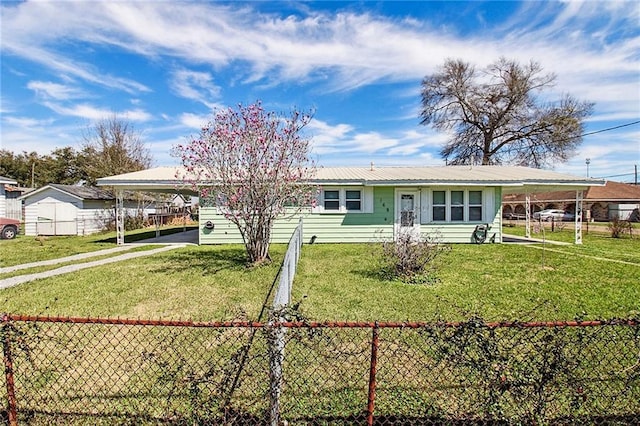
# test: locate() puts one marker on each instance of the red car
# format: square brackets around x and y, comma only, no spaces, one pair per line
[9,228]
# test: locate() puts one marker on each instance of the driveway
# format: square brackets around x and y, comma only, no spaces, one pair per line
[20,279]
[186,237]
[169,242]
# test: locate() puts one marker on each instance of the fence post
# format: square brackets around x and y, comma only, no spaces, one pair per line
[12,404]
[371,400]
[276,360]
[277,332]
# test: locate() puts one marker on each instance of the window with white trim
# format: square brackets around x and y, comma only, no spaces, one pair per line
[457,205]
[353,200]
[345,200]
[331,200]
[475,206]
[439,206]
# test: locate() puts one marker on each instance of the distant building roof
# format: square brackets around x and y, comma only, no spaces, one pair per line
[512,178]
[80,192]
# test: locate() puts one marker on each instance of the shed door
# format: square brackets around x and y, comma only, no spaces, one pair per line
[56,218]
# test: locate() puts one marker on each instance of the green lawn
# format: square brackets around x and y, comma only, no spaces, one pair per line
[27,249]
[200,283]
[496,282]
[341,282]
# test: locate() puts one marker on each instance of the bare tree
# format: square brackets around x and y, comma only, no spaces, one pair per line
[112,146]
[496,117]
[255,165]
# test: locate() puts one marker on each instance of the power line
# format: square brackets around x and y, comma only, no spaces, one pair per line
[610,128]
[625,174]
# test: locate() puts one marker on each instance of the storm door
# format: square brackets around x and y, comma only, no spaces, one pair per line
[408,211]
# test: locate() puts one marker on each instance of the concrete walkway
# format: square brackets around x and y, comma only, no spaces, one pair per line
[20,279]
[66,259]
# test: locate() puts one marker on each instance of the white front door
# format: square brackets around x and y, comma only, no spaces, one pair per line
[407,211]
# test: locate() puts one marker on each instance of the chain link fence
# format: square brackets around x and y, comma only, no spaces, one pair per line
[107,371]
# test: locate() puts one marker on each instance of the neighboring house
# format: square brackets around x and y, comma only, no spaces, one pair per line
[601,203]
[366,204]
[7,207]
[69,210]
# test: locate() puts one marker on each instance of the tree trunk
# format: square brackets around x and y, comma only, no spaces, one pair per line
[257,245]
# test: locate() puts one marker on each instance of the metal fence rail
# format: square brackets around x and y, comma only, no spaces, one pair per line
[106,371]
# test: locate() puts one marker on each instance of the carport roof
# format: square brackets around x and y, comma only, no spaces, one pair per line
[158,179]
[511,178]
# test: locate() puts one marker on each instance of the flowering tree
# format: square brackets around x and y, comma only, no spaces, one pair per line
[255,165]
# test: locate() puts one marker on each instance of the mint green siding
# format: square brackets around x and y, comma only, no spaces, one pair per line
[352,227]
[327,227]
[462,232]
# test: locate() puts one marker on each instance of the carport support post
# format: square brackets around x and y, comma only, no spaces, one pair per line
[578,218]
[119,218]
[527,215]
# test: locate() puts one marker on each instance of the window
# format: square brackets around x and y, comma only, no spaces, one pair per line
[345,200]
[457,206]
[475,206]
[439,205]
[332,200]
[353,200]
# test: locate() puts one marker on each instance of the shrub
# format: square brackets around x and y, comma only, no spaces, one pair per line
[410,257]
[617,227]
[131,221]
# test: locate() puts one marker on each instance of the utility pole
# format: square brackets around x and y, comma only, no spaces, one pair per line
[635,167]
[33,174]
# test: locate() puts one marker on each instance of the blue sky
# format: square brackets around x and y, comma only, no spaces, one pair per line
[165,66]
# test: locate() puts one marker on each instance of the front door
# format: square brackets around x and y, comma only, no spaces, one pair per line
[408,211]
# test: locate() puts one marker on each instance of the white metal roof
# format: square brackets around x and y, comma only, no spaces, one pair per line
[7,180]
[513,179]
[161,179]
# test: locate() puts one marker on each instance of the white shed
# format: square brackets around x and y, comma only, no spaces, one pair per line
[3,197]
[67,210]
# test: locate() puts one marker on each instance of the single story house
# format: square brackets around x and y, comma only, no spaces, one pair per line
[362,204]
[7,207]
[600,203]
[58,209]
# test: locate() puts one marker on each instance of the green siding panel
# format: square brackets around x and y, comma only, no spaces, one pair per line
[347,227]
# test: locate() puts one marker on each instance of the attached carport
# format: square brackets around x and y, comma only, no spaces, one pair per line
[530,190]
[160,180]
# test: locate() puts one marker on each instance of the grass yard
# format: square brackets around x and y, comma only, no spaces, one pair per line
[164,371]
[24,249]
[200,283]
[341,282]
[496,282]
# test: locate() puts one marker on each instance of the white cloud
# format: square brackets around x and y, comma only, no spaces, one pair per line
[345,139]
[50,90]
[26,122]
[355,49]
[93,113]
[194,121]
[26,135]
[196,86]
[579,41]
